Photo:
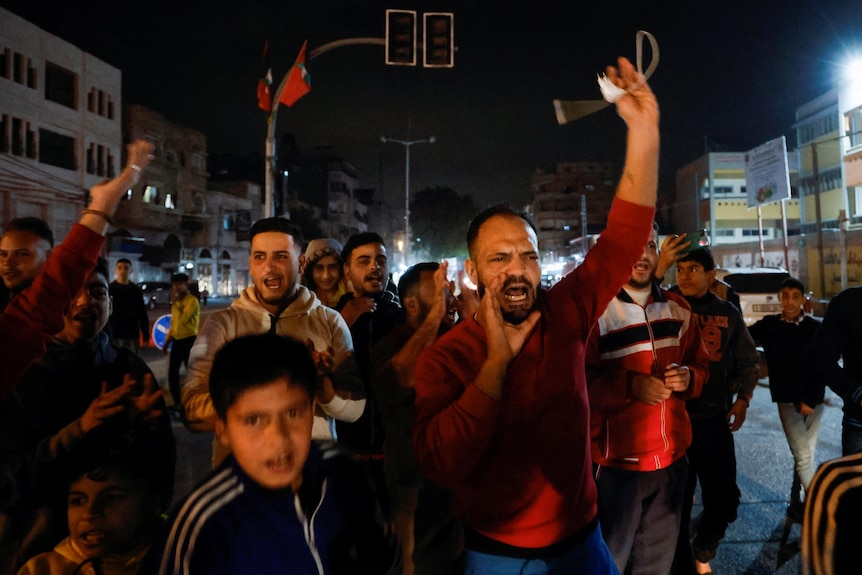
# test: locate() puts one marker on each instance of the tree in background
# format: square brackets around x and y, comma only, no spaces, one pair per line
[439,218]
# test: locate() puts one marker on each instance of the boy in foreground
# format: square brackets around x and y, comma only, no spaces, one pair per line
[115,501]
[279,503]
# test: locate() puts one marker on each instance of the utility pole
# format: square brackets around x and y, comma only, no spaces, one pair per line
[407,144]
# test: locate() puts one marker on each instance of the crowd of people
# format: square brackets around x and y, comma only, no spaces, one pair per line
[423,428]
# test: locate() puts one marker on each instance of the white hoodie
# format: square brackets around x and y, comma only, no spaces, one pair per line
[305,318]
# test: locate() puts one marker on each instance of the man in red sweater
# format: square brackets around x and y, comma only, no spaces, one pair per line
[502,415]
[645,358]
[36,313]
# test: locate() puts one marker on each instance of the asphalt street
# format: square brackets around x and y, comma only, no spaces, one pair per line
[760,542]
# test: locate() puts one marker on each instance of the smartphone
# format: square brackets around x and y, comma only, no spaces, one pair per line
[697,239]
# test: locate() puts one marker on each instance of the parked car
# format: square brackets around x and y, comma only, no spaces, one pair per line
[156,294]
[757,288]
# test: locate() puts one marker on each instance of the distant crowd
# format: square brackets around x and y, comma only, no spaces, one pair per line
[461,421]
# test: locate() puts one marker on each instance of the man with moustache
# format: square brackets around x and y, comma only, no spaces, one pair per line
[82,388]
[277,303]
[417,506]
[502,414]
[371,312]
[645,358]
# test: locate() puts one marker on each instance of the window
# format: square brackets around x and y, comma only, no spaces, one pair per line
[753,232]
[18,68]
[151,195]
[723,189]
[853,125]
[5,59]
[56,149]
[60,85]
[100,160]
[30,143]
[725,232]
[91,159]
[31,74]
[169,201]
[4,133]
[17,137]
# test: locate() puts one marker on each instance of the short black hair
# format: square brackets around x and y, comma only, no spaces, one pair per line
[505,210]
[102,268]
[179,278]
[143,450]
[357,240]
[277,224]
[254,360]
[792,283]
[33,225]
[410,279]
[702,256]
[124,261]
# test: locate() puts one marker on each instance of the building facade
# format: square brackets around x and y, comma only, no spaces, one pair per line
[569,201]
[60,130]
[173,221]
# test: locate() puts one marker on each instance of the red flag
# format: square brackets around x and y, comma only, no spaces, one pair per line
[298,81]
[264,100]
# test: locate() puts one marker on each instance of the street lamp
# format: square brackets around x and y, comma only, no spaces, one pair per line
[407,144]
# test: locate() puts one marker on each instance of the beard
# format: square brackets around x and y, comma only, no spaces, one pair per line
[513,313]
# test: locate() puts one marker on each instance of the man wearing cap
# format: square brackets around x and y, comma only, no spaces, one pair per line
[324,271]
[185,319]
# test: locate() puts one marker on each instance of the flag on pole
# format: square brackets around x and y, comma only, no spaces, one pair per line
[298,80]
[264,99]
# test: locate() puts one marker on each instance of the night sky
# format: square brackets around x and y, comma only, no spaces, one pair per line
[731,75]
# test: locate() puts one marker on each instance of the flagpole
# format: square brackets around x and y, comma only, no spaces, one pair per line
[269,181]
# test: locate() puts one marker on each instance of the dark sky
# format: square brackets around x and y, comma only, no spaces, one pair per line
[731,75]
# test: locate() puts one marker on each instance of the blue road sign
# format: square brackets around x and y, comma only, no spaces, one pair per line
[160,331]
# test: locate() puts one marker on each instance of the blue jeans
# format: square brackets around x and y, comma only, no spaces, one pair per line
[801,433]
[589,558]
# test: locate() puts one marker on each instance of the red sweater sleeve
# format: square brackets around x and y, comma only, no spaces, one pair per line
[36,314]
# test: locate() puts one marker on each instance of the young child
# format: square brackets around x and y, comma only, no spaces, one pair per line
[279,503]
[115,502]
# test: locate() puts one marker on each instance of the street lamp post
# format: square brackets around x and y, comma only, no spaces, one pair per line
[407,144]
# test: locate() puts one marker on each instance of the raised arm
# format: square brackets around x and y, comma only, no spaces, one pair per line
[36,314]
[639,109]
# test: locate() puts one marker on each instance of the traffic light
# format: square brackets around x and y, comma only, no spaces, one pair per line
[401,37]
[439,40]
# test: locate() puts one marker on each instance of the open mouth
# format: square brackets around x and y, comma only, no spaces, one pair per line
[281,464]
[515,294]
[271,282]
[93,538]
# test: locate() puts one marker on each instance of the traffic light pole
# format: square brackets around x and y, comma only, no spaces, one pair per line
[269,209]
